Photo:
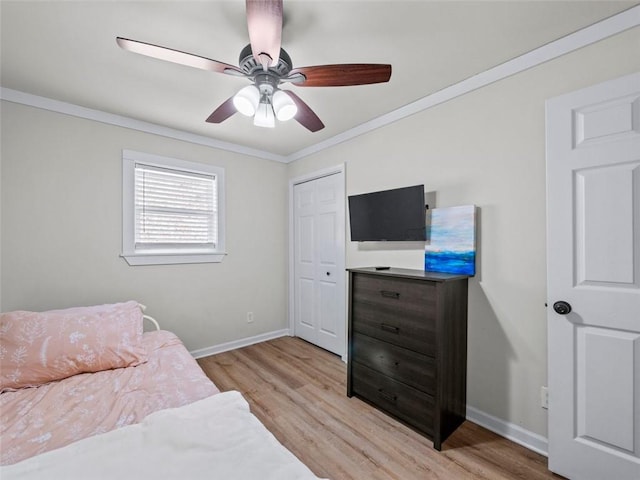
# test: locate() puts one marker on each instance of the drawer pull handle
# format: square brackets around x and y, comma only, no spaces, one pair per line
[389,397]
[389,328]
[388,294]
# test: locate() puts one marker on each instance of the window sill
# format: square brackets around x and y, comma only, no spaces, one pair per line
[135,259]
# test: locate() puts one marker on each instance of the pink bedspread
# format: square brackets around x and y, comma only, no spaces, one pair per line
[35,420]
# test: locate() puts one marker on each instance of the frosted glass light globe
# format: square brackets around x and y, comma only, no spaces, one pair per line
[283,106]
[246,100]
[264,116]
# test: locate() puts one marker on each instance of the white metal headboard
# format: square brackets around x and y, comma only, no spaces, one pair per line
[147,317]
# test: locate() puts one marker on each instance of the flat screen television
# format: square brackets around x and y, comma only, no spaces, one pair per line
[389,215]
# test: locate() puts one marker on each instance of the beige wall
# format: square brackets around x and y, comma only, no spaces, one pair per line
[486,148]
[62,224]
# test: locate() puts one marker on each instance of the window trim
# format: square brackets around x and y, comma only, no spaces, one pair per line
[138,257]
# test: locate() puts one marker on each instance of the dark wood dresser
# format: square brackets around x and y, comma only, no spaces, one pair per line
[407,352]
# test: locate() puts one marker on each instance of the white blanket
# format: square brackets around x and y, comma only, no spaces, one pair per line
[214,438]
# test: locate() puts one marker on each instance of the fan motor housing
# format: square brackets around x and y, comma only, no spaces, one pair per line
[250,66]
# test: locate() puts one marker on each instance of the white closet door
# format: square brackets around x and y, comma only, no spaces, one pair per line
[319,315]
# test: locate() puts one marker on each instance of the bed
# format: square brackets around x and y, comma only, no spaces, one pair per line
[86,394]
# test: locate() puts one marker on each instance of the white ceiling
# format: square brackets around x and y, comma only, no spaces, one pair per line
[66,50]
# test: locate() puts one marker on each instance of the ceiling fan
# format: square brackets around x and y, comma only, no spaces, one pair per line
[267,66]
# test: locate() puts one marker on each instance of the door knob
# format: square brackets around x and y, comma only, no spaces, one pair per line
[562,307]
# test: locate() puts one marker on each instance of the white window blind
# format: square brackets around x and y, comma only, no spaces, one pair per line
[173,211]
[175,208]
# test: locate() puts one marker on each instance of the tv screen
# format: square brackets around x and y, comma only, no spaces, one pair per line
[389,215]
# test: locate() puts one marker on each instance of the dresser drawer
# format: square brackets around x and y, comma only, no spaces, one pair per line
[396,293]
[395,310]
[406,403]
[404,365]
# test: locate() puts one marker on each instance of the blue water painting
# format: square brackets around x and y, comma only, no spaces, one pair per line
[451,244]
[451,262]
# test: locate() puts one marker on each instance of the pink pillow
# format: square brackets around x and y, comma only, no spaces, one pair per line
[37,348]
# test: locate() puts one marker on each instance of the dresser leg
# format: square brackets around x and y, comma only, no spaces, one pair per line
[437,444]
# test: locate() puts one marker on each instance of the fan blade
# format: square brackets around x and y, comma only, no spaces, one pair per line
[176,56]
[343,75]
[223,112]
[305,116]
[264,21]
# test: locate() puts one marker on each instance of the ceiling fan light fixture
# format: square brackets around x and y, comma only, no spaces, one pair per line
[266,64]
[264,116]
[247,100]
[283,106]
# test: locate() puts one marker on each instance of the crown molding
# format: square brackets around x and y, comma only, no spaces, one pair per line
[50,104]
[598,31]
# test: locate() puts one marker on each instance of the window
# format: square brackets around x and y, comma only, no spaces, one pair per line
[173,211]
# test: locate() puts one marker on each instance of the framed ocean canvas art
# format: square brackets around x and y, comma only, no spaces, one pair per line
[451,240]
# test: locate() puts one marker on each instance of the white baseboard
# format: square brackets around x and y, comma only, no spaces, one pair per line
[243,342]
[519,435]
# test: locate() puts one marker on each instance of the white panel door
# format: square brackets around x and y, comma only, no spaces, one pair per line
[593,242]
[319,311]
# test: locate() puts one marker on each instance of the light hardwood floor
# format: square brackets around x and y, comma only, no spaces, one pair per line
[299,392]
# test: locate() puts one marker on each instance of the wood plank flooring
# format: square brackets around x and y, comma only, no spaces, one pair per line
[299,392]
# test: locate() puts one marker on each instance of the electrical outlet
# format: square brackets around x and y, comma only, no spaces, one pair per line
[249,317]
[544,397]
